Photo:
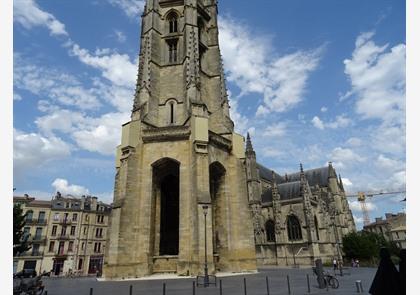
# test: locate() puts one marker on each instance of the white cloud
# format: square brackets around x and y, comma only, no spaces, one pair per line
[31,150]
[28,14]
[343,157]
[377,78]
[324,109]
[63,186]
[355,206]
[240,121]
[120,36]
[132,8]
[281,80]
[388,164]
[346,182]
[56,85]
[117,68]
[278,129]
[317,122]
[354,142]
[101,134]
[341,121]
[17,96]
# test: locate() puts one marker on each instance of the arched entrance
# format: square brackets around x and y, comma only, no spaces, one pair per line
[217,193]
[166,193]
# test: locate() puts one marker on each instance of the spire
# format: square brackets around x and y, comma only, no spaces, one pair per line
[286,178]
[341,182]
[302,174]
[249,148]
[275,191]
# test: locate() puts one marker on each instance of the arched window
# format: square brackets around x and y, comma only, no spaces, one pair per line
[173,22]
[269,229]
[172,112]
[172,49]
[294,231]
[316,227]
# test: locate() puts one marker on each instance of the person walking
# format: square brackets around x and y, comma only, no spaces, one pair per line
[386,280]
[335,264]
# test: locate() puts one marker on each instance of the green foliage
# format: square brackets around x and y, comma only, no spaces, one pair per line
[365,245]
[20,241]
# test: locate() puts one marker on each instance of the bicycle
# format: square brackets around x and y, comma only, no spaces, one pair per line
[331,280]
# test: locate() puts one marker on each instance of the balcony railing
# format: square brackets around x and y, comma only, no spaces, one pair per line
[65,221]
[63,237]
[39,239]
[38,221]
[32,253]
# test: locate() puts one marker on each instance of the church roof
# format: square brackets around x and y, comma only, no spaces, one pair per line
[314,176]
[287,190]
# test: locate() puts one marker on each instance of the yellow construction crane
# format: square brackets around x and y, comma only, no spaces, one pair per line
[361,197]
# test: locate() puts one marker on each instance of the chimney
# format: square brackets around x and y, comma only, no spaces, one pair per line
[377,219]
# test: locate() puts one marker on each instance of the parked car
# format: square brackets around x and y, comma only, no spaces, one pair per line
[25,273]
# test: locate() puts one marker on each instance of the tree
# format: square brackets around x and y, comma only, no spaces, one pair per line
[20,239]
[363,245]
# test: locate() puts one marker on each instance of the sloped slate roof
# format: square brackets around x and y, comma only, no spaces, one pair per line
[288,190]
[314,176]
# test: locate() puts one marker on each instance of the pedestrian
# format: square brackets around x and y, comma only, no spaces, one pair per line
[357,262]
[386,280]
[353,263]
[335,263]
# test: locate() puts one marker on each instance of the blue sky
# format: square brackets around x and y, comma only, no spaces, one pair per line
[312,81]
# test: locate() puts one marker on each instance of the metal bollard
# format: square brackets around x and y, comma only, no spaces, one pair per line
[221,289]
[359,286]
[164,289]
[288,284]
[91,291]
[268,287]
[244,286]
[131,290]
[309,286]
[193,287]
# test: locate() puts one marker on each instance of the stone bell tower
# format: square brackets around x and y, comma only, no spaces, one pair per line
[179,153]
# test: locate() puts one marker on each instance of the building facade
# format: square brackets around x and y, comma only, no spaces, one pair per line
[73,237]
[36,225]
[179,154]
[392,228]
[299,216]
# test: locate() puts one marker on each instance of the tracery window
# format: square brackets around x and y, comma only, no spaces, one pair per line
[269,230]
[294,231]
[173,22]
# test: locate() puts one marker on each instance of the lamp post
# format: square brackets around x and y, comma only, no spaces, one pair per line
[206,271]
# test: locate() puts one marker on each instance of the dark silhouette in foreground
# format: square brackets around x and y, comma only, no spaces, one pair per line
[402,272]
[387,278]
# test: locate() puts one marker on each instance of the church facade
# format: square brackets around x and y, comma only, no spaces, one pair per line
[297,217]
[179,155]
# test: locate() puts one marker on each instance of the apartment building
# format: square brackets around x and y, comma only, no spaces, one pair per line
[392,228]
[37,216]
[75,235]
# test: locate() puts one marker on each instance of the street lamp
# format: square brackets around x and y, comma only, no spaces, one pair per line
[206,277]
[206,270]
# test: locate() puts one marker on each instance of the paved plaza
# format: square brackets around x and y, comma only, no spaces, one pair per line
[231,285]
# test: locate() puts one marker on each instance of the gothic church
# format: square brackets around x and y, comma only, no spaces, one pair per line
[179,154]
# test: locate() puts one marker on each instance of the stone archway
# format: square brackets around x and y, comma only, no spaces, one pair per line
[166,196]
[217,174]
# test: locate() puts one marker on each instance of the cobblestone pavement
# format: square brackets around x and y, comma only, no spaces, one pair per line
[233,285]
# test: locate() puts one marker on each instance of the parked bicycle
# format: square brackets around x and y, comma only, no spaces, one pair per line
[331,280]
